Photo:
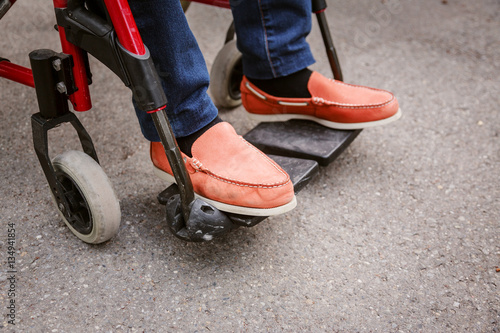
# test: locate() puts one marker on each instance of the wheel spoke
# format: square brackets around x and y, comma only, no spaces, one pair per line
[79,212]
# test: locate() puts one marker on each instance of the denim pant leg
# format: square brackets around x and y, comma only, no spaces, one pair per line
[272,36]
[179,63]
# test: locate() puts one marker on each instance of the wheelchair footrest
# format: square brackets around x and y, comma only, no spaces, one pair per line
[301,139]
[300,171]
[298,146]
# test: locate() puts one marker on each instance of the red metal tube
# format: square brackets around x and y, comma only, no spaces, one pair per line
[159,109]
[60,3]
[16,73]
[319,11]
[80,98]
[218,3]
[125,27]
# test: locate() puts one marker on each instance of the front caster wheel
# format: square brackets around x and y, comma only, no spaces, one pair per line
[226,76]
[94,211]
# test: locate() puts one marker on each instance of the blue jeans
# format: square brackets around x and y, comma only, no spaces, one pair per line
[271,37]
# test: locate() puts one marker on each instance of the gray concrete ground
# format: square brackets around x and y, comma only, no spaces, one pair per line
[400,234]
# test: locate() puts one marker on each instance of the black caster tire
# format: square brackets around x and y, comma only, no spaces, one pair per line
[94,207]
[226,76]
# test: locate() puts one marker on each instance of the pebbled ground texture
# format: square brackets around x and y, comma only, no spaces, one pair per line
[399,234]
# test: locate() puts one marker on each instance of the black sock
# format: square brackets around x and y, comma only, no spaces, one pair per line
[290,86]
[185,143]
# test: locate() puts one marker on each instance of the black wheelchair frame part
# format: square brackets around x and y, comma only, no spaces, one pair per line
[94,34]
[54,111]
[319,7]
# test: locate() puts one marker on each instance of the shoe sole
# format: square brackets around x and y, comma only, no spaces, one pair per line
[232,208]
[327,123]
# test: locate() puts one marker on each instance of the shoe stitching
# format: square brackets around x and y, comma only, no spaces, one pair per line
[242,184]
[320,100]
[197,165]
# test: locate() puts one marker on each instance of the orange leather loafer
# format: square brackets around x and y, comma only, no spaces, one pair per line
[231,174]
[333,104]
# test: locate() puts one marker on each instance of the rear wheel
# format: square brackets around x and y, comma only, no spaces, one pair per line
[226,76]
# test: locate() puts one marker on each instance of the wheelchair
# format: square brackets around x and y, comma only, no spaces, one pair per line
[81,191]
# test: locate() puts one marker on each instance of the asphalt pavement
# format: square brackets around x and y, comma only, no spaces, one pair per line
[399,234]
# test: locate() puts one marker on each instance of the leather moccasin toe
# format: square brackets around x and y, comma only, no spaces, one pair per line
[334,104]
[231,174]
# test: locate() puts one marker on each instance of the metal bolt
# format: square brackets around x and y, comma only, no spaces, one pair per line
[61,87]
[57,64]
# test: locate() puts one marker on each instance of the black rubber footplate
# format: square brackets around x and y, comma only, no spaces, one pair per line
[301,139]
[300,171]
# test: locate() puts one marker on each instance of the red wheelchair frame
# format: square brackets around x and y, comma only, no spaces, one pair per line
[62,77]
[128,36]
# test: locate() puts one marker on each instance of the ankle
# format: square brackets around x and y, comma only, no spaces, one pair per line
[290,86]
[185,143]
